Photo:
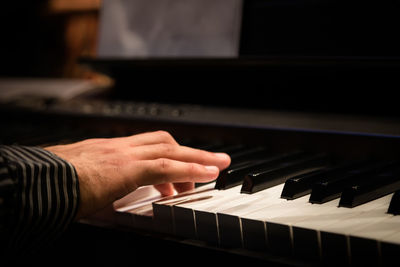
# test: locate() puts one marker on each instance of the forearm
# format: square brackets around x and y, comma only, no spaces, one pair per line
[40,195]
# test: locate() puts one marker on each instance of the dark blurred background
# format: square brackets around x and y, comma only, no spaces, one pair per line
[45,38]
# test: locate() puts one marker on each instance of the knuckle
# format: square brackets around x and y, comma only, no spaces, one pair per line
[162,165]
[166,136]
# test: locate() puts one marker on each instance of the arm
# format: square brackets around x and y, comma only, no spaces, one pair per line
[43,190]
[39,195]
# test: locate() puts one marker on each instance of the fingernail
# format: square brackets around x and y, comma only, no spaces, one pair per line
[223,156]
[213,169]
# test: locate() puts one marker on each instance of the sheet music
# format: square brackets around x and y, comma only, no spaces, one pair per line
[169,28]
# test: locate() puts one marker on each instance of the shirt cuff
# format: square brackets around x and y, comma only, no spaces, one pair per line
[44,192]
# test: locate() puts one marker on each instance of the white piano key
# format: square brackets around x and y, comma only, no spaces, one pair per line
[228,216]
[393,237]
[367,238]
[206,215]
[229,223]
[144,194]
[184,215]
[142,217]
[280,219]
[349,221]
[132,202]
[278,240]
[163,213]
[306,235]
[205,212]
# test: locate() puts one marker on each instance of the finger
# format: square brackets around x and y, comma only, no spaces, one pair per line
[149,138]
[183,187]
[159,171]
[165,189]
[181,153]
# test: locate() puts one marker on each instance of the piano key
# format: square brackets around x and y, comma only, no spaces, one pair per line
[235,174]
[345,222]
[206,216]
[285,224]
[184,217]
[208,228]
[332,186]
[266,178]
[254,234]
[278,235]
[163,212]
[370,188]
[365,241]
[143,217]
[204,225]
[140,217]
[394,207]
[311,229]
[304,242]
[298,230]
[283,230]
[301,185]
[229,224]
[126,207]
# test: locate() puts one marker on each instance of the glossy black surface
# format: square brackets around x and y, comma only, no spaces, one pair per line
[332,187]
[302,184]
[266,178]
[370,187]
[235,174]
[394,207]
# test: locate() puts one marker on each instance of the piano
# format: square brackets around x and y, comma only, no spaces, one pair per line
[308,112]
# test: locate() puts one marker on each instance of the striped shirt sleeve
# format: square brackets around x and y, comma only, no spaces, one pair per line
[39,197]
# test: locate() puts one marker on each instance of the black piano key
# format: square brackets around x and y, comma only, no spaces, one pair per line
[370,188]
[235,151]
[267,178]
[301,185]
[235,174]
[222,181]
[332,186]
[394,206]
[240,156]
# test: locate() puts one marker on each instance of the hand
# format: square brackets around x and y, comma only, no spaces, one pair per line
[108,169]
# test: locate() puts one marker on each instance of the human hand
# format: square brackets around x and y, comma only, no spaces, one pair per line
[109,169]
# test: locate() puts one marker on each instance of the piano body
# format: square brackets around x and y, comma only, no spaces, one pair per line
[310,99]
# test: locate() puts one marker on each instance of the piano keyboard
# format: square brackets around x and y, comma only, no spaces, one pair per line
[296,204]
